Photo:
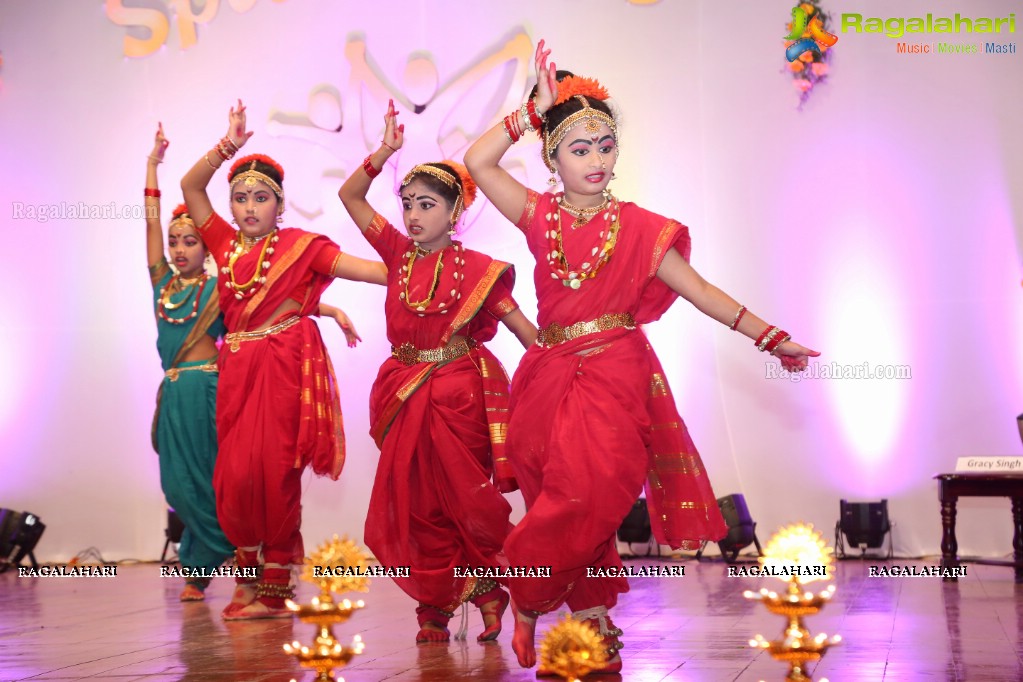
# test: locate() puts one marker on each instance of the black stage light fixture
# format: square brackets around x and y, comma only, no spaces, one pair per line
[864,525]
[19,533]
[175,528]
[636,527]
[742,530]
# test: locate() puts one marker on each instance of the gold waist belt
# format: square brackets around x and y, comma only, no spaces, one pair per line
[173,372]
[234,339]
[553,334]
[408,355]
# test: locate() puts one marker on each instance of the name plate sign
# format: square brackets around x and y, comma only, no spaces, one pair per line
[990,464]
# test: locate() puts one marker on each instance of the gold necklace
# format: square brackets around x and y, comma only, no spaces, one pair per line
[259,276]
[583,215]
[421,306]
[165,302]
[558,262]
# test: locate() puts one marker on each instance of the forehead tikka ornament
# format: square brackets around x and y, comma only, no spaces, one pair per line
[588,116]
[445,177]
[251,176]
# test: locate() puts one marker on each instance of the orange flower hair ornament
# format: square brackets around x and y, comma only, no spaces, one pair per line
[570,86]
[251,176]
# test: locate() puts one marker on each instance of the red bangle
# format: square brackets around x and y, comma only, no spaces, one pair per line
[534,118]
[738,318]
[761,341]
[370,170]
[155,193]
[509,129]
[780,338]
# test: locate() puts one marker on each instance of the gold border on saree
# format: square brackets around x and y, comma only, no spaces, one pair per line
[554,333]
[234,339]
[409,355]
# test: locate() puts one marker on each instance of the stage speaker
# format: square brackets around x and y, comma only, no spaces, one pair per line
[19,533]
[175,528]
[636,525]
[864,525]
[742,529]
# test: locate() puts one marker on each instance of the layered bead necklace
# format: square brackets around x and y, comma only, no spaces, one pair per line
[241,245]
[176,284]
[423,307]
[556,259]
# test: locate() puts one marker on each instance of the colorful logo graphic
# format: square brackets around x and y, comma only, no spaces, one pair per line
[808,33]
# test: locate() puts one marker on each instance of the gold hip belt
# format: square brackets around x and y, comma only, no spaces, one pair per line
[234,339]
[408,355]
[173,372]
[554,333]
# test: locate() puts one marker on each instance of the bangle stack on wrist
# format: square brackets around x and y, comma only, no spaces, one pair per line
[150,192]
[226,148]
[155,158]
[771,338]
[527,119]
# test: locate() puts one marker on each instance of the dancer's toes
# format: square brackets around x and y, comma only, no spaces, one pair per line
[257,610]
[192,592]
[492,612]
[432,632]
[522,641]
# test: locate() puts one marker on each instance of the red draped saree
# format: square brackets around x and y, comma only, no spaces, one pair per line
[593,420]
[440,425]
[277,402]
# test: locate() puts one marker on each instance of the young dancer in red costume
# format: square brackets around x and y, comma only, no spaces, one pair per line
[592,414]
[277,404]
[438,408]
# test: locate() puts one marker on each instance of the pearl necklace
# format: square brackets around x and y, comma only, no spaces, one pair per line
[422,307]
[166,303]
[259,276]
[556,259]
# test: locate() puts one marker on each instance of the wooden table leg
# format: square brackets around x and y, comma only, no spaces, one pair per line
[949,546]
[1017,536]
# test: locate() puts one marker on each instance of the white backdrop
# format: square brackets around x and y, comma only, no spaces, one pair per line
[879,225]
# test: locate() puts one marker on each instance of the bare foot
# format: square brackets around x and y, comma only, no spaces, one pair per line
[244,594]
[492,612]
[191,593]
[257,610]
[432,632]
[522,641]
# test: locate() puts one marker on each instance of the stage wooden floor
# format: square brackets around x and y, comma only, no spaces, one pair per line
[692,628]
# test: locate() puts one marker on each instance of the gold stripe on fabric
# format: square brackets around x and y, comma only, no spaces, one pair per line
[658,387]
[484,367]
[157,271]
[498,433]
[408,389]
[664,238]
[336,263]
[475,300]
[665,425]
[532,197]
[504,307]
[276,271]
[375,228]
[680,462]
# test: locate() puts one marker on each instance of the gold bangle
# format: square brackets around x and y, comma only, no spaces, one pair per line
[207,157]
